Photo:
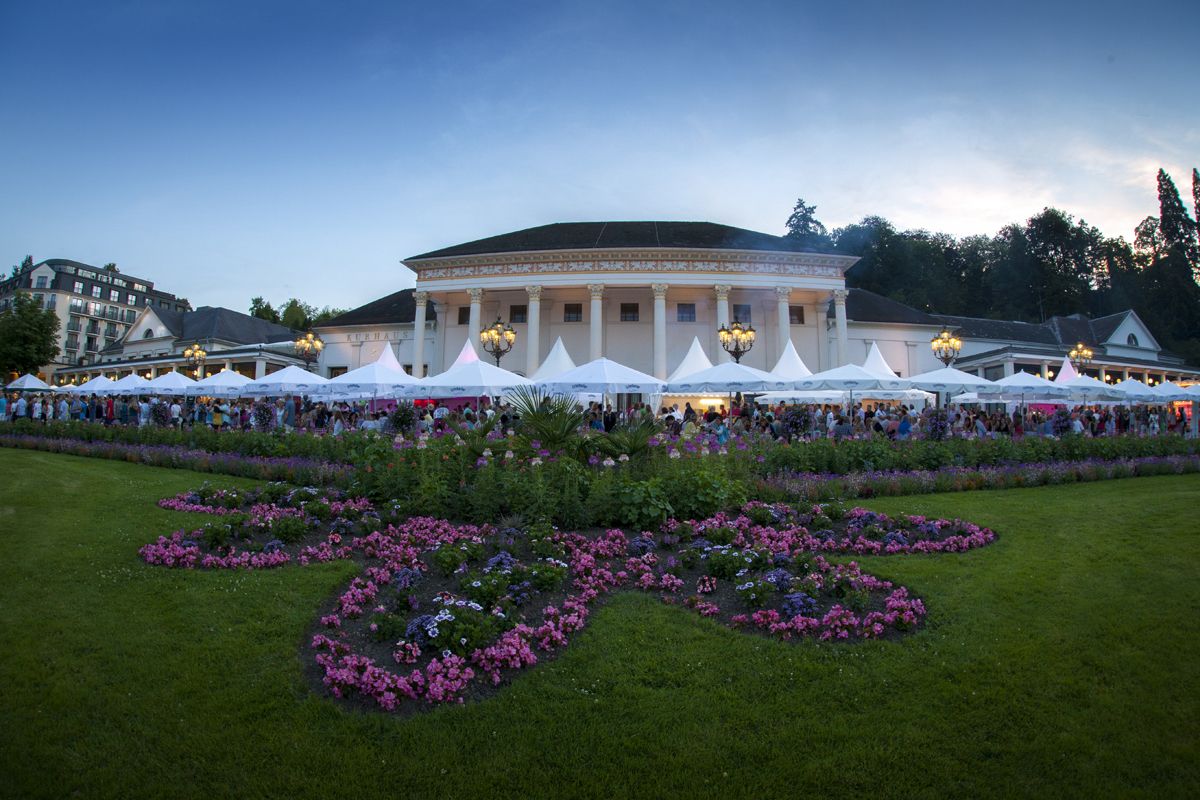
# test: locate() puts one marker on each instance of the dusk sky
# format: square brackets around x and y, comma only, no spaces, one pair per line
[226,150]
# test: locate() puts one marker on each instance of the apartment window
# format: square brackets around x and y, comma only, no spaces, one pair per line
[164,304]
[76,305]
[95,309]
[114,296]
[629,312]
[741,313]
[572,312]
[93,326]
[78,287]
[110,330]
[52,301]
[518,313]
[149,301]
[131,299]
[120,282]
[130,315]
[72,341]
[40,282]
[138,287]
[96,290]
[685,312]
[73,324]
[795,315]
[464,315]
[91,344]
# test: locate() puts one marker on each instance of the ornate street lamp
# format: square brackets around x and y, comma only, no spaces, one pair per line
[195,356]
[736,339]
[1080,356]
[308,348]
[498,339]
[946,346]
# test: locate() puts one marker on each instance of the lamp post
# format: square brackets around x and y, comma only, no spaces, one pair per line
[195,356]
[946,346]
[736,339]
[1080,357]
[308,348]
[498,339]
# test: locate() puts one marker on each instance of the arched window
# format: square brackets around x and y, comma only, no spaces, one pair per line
[1131,340]
[149,334]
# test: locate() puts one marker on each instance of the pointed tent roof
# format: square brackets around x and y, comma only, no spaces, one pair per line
[1022,386]
[851,377]
[466,355]
[1170,391]
[171,382]
[603,376]
[1066,372]
[876,365]
[372,380]
[1087,388]
[387,358]
[95,384]
[1134,390]
[693,362]
[728,376]
[289,380]
[130,384]
[557,362]
[790,367]
[225,383]
[467,377]
[28,383]
[949,379]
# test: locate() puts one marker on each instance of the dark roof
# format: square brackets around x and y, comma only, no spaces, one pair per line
[864,306]
[979,328]
[1105,327]
[607,235]
[213,322]
[395,308]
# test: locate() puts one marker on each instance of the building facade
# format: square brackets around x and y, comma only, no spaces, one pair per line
[95,306]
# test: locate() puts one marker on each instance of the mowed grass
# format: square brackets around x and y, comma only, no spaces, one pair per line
[1063,660]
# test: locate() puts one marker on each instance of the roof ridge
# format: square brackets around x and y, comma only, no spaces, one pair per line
[600,235]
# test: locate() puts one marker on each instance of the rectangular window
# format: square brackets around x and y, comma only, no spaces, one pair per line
[464,315]
[72,341]
[110,330]
[131,299]
[407,368]
[74,324]
[572,312]
[795,315]
[518,313]
[52,301]
[164,304]
[685,312]
[139,287]
[40,282]
[336,371]
[114,296]
[741,313]
[149,301]
[629,312]
[96,290]
[78,287]
[91,344]
[77,305]
[130,315]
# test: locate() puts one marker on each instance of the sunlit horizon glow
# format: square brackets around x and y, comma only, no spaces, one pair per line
[226,151]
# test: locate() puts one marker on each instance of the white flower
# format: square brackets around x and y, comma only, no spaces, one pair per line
[487,453]
[535,462]
[674,453]
[623,458]
[508,454]
[608,462]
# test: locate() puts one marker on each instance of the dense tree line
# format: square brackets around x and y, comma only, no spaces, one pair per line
[1051,265]
[293,313]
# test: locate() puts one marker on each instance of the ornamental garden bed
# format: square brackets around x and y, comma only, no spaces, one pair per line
[445,613]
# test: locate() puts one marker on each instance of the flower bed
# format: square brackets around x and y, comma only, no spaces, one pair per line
[445,612]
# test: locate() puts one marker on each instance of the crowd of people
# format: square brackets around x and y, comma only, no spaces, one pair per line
[894,421]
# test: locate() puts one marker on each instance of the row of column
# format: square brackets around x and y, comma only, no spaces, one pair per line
[596,323]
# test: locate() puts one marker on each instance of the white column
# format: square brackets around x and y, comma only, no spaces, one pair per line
[843,336]
[260,369]
[783,295]
[596,321]
[476,323]
[1125,374]
[533,330]
[421,298]
[822,336]
[660,330]
[1009,367]
[1045,368]
[722,291]
[1102,373]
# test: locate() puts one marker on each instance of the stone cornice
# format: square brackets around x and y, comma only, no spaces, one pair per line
[640,260]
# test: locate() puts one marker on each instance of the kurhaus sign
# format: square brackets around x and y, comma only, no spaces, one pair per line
[738,262]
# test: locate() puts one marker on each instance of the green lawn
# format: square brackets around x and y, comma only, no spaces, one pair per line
[1063,660]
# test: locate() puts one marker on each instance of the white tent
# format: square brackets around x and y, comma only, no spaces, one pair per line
[225,383]
[372,380]
[1131,390]
[1066,372]
[949,379]
[790,367]
[130,384]
[171,383]
[851,378]
[467,377]
[28,383]
[1087,389]
[728,376]
[876,365]
[693,362]
[93,385]
[1169,392]
[1022,386]
[287,381]
[603,376]
[557,362]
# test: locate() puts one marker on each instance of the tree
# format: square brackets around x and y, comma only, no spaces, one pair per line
[262,309]
[1178,229]
[28,336]
[804,227]
[111,267]
[296,314]
[1196,198]
[25,264]
[1148,241]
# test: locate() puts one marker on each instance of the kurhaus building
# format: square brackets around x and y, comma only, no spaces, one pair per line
[639,292]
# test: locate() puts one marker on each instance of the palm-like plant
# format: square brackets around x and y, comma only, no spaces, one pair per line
[476,439]
[553,419]
[630,438]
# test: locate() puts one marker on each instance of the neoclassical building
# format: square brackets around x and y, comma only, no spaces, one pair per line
[639,292]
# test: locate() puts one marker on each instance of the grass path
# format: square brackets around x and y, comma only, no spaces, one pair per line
[1062,660]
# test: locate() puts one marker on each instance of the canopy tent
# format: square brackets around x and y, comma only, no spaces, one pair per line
[851,378]
[790,367]
[1087,389]
[467,377]
[171,383]
[28,383]
[558,361]
[372,380]
[876,365]
[287,381]
[1066,372]
[1022,386]
[827,396]
[225,383]
[949,379]
[130,384]
[603,376]
[728,376]
[93,385]
[1131,390]
[693,362]
[1169,392]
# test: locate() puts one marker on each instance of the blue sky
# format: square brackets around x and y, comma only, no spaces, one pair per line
[226,150]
